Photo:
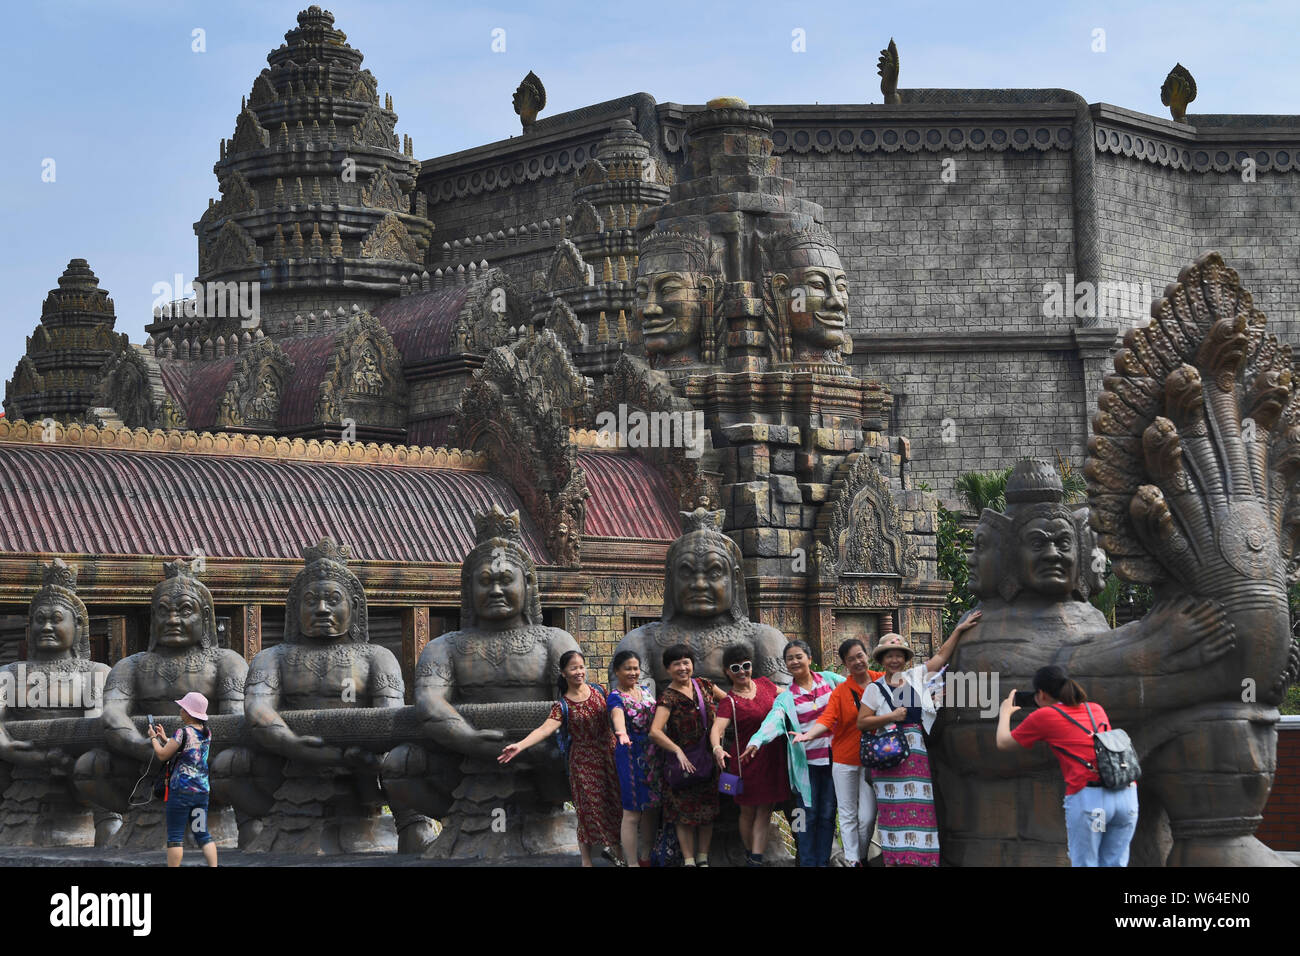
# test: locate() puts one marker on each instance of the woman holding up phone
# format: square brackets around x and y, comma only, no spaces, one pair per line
[1099,823]
[186,801]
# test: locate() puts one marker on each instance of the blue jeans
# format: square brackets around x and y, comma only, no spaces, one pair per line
[187,811]
[1099,825]
[817,835]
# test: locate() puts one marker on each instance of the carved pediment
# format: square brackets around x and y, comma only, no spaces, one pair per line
[860,523]
[26,380]
[568,270]
[233,248]
[131,386]
[563,321]
[39,340]
[249,134]
[375,128]
[253,394]
[390,240]
[586,220]
[363,88]
[263,91]
[384,192]
[516,409]
[492,307]
[365,381]
[593,173]
[236,195]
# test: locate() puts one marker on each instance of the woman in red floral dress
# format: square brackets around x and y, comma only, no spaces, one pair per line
[765,778]
[593,780]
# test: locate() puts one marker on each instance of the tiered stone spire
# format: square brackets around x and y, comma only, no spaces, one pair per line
[614,192]
[57,377]
[316,188]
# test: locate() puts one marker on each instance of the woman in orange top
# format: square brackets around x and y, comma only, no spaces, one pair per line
[853,792]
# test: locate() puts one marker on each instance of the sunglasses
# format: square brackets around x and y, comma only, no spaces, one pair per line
[742,668]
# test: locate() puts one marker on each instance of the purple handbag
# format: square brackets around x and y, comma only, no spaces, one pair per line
[733,784]
[698,753]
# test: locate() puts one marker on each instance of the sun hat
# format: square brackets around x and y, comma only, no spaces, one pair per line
[194,704]
[891,642]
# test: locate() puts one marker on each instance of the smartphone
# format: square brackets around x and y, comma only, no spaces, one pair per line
[150,719]
[1025,698]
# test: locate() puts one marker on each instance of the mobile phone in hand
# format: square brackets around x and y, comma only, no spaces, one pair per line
[1025,698]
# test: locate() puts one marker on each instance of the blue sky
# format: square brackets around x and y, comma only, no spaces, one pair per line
[132,116]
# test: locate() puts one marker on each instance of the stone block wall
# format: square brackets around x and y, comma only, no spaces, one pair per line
[1155,220]
[927,256]
[617,605]
[980,411]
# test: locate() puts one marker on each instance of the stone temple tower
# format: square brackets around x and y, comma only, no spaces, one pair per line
[58,375]
[316,202]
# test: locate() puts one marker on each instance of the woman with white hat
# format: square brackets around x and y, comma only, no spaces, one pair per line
[904,697]
[186,796]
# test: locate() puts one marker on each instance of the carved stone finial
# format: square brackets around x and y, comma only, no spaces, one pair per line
[180,568]
[1034,481]
[529,99]
[57,574]
[327,550]
[887,67]
[496,524]
[1178,90]
[701,519]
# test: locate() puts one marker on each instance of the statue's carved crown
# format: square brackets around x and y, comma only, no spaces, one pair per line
[695,248]
[327,550]
[497,524]
[57,574]
[180,568]
[815,236]
[701,519]
[1034,481]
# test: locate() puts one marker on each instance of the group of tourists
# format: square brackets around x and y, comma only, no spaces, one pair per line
[677,755]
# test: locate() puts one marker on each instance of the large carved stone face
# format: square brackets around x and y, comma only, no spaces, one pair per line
[669,306]
[499,587]
[1047,552]
[702,584]
[178,618]
[324,609]
[52,628]
[818,306]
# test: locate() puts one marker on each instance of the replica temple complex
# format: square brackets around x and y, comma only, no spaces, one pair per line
[779,332]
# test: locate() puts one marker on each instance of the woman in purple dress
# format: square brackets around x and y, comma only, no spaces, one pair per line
[765,778]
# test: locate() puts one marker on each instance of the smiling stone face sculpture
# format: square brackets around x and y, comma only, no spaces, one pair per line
[808,296]
[676,291]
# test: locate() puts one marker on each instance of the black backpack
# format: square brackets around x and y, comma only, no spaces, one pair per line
[1117,761]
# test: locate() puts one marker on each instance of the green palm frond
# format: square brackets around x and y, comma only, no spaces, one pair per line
[983,489]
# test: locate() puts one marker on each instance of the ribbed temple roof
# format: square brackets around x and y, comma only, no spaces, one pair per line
[629,499]
[421,324]
[110,501]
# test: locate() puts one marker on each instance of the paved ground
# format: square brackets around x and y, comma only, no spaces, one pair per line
[89,856]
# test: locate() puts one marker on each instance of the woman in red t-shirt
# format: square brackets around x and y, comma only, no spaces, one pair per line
[1099,823]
